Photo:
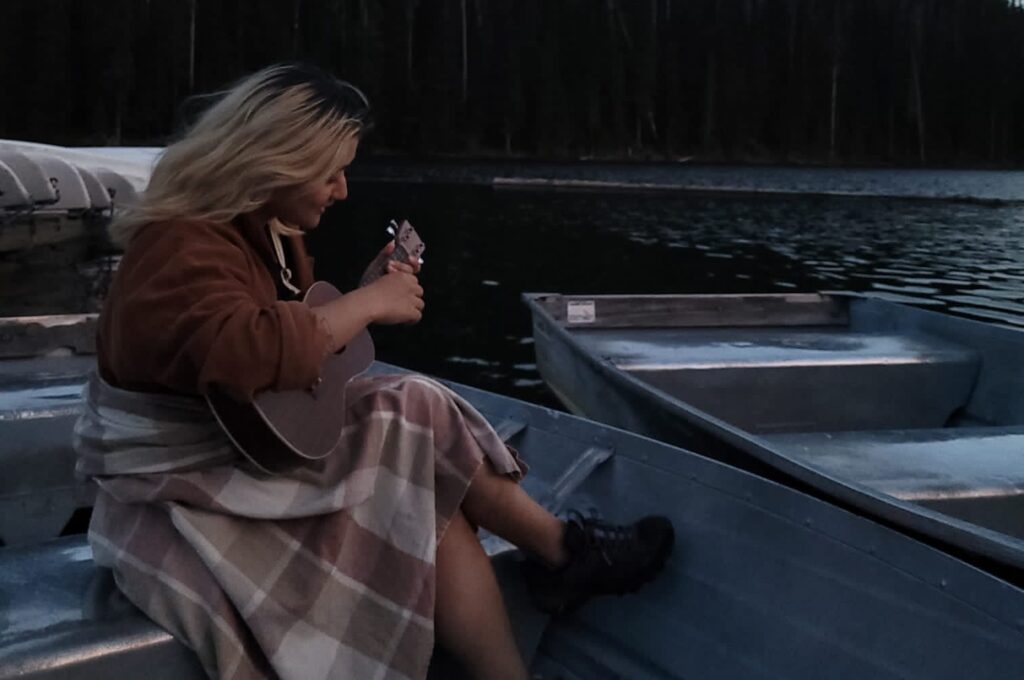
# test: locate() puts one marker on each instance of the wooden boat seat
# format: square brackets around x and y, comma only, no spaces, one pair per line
[62,616]
[797,379]
[975,473]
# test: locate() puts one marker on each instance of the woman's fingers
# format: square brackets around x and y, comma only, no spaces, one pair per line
[399,298]
[397,266]
[412,266]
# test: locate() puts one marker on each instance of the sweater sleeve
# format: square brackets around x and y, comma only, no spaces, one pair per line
[196,309]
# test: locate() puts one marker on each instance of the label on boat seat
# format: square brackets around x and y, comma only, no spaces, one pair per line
[580,311]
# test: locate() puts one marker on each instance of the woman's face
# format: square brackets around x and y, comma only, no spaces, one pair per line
[302,205]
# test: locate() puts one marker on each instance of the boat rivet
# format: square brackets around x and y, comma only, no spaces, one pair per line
[807,521]
[943,583]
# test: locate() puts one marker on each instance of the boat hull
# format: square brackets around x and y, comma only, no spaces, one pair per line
[593,386]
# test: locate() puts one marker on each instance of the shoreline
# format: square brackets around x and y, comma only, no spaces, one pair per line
[507,183]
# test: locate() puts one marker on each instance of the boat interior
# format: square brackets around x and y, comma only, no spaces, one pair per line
[906,609]
[918,405]
[827,588]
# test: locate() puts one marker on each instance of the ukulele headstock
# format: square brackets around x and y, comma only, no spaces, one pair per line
[408,244]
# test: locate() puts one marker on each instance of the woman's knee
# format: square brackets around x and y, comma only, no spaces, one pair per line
[413,396]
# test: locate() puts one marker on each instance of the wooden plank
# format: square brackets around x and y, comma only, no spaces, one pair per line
[685,311]
[30,336]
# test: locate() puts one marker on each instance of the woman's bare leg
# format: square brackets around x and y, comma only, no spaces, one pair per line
[501,506]
[470,616]
[630,555]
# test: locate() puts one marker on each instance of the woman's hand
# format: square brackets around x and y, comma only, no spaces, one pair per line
[396,297]
[382,265]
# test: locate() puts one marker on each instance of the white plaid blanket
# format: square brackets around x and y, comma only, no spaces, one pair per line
[324,572]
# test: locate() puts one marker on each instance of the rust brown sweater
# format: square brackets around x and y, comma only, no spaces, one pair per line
[195,304]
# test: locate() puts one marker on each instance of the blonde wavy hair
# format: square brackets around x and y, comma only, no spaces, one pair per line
[285,125]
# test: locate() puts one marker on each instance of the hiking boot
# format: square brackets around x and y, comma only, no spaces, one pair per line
[604,559]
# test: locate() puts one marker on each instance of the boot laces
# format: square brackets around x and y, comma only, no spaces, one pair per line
[612,542]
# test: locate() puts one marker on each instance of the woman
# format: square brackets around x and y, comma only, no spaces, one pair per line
[343,567]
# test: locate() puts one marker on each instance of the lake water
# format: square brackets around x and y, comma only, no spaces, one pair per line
[486,246]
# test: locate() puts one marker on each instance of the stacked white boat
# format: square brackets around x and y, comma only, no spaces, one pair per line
[48,193]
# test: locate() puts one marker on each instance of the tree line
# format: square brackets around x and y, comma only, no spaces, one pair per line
[816,81]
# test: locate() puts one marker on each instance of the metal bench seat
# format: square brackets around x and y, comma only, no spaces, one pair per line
[973,473]
[786,379]
[59,614]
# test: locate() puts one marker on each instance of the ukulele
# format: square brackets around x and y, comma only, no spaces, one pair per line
[280,428]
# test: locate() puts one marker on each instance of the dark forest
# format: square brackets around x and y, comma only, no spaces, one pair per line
[914,82]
